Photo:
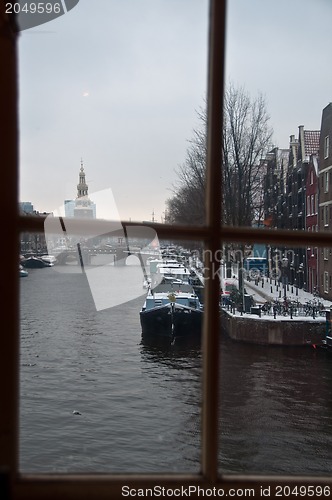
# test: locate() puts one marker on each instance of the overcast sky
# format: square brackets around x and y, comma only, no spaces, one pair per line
[118,83]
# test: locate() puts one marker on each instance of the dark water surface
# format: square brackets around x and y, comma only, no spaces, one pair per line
[139,404]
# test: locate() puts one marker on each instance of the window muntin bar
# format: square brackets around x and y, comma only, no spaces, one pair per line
[213,212]
[9,302]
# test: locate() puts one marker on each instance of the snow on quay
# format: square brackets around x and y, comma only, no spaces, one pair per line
[295,329]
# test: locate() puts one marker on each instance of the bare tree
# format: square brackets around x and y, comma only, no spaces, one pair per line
[187,205]
[246,139]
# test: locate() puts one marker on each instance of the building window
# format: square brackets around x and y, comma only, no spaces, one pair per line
[326,253]
[326,147]
[311,177]
[326,187]
[326,215]
[308,205]
[326,282]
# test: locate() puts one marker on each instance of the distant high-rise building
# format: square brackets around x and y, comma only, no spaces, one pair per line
[69,208]
[26,207]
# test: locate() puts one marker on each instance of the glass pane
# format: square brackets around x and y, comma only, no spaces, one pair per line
[108,98]
[113,87]
[110,369]
[277,131]
[275,375]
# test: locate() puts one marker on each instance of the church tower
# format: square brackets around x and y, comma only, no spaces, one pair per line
[84,207]
[82,187]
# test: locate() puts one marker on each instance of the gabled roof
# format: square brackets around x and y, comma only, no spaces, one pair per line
[311,142]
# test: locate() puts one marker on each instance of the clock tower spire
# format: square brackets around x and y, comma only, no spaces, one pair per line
[84,207]
[82,187]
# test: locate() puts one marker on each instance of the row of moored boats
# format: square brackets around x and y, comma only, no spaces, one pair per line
[35,262]
[173,306]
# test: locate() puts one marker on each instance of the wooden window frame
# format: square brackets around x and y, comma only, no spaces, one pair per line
[15,485]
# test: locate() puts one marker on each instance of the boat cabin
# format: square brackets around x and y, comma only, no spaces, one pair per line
[162,295]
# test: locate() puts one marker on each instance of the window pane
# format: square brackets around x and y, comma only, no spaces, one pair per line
[273,349]
[110,370]
[276,132]
[114,86]
[109,93]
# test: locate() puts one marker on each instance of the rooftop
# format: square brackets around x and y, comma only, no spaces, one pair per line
[311,141]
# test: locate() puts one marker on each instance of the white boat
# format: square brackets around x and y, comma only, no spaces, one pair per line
[169,271]
[23,272]
[49,259]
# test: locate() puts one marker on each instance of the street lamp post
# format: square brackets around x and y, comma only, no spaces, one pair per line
[270,262]
[284,264]
[301,274]
[292,273]
[276,263]
[292,270]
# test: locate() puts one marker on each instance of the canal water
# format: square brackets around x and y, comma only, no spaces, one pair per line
[96,398]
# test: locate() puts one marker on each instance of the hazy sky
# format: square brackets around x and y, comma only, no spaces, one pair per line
[118,83]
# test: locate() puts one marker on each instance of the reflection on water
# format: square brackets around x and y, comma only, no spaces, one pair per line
[139,400]
[275,410]
[175,372]
[138,405]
